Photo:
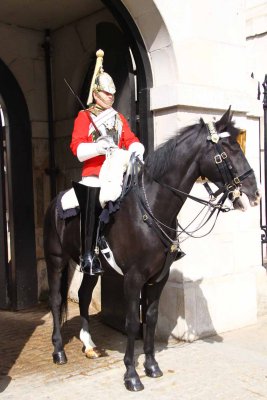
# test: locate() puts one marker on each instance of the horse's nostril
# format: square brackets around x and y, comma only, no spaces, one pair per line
[258,194]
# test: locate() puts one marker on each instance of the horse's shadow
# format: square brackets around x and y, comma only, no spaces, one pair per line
[109,340]
[105,337]
[113,340]
[193,318]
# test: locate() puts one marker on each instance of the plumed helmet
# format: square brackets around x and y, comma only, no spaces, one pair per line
[105,82]
[101,80]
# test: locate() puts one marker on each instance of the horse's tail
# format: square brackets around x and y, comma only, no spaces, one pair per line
[56,261]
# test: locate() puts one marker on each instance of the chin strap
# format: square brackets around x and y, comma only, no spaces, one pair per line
[108,103]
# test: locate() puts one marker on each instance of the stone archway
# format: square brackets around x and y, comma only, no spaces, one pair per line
[157,46]
[19,280]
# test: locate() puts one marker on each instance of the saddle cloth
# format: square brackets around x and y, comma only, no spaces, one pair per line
[108,255]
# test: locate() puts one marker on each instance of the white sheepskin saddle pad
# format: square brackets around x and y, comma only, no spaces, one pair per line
[111,175]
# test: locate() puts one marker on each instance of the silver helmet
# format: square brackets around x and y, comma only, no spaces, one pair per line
[101,80]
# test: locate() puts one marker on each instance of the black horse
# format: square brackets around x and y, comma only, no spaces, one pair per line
[142,234]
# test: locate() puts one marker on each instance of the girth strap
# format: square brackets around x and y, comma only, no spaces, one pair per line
[170,258]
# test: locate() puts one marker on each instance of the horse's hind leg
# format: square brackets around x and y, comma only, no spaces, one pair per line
[85,297]
[58,302]
[152,293]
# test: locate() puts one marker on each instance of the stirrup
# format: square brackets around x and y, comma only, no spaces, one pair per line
[90,264]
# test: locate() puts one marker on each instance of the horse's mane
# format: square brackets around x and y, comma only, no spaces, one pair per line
[159,161]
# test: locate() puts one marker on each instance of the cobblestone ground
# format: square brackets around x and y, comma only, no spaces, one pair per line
[228,367]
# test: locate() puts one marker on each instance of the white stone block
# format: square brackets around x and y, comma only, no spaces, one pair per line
[198,96]
[197,309]
[262,290]
[256,17]
[155,34]
[220,21]
[164,69]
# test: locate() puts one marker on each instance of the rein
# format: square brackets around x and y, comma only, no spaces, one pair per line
[158,225]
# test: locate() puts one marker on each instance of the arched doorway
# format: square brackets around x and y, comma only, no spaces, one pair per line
[142,71]
[126,60]
[18,278]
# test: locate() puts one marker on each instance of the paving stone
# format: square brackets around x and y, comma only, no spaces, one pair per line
[232,366]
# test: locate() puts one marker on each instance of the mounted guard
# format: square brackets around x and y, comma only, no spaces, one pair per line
[151,210]
[98,132]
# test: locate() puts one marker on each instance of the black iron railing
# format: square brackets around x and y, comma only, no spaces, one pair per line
[263,218]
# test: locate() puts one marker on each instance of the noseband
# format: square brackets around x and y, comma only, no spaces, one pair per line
[232,181]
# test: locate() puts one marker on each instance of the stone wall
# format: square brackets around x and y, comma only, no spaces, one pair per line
[22,52]
[199,63]
[256,33]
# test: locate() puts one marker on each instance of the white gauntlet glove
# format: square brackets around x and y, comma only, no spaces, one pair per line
[138,149]
[104,143]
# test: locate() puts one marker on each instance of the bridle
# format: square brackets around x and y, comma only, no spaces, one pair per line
[231,188]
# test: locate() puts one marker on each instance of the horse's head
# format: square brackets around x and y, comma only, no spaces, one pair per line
[224,163]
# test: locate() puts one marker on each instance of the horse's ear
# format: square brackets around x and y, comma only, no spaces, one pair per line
[224,121]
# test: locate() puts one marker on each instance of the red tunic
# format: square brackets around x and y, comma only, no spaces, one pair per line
[80,135]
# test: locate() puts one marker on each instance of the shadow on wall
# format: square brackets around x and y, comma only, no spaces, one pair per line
[183,311]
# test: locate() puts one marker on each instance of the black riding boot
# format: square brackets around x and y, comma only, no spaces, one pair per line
[88,198]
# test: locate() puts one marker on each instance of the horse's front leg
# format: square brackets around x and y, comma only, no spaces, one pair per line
[85,297]
[152,296]
[132,294]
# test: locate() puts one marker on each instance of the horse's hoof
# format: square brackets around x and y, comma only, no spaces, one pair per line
[153,371]
[95,353]
[60,357]
[133,384]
